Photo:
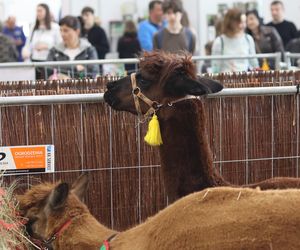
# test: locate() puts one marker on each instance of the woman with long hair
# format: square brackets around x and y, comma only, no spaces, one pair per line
[234,41]
[266,38]
[44,35]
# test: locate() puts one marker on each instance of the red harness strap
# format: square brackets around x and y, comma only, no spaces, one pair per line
[44,244]
[105,245]
[63,228]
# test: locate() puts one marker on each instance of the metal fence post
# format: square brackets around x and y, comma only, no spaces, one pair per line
[287,59]
[278,60]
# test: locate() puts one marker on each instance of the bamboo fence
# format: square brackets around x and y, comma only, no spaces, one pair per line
[252,138]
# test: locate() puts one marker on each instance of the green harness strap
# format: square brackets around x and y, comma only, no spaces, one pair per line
[105,245]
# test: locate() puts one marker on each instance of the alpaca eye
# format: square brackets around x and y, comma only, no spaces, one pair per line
[144,83]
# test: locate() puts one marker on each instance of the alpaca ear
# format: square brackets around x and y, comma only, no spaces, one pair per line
[213,86]
[80,186]
[58,196]
[200,86]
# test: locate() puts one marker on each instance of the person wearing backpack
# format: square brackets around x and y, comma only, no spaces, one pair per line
[234,41]
[174,37]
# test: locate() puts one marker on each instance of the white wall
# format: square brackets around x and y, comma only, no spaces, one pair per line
[106,10]
[25,10]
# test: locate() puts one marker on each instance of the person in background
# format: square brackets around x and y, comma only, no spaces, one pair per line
[44,36]
[16,33]
[94,33]
[267,39]
[294,47]
[185,21]
[81,25]
[206,66]
[234,41]
[8,51]
[129,45]
[147,28]
[219,26]
[73,48]
[287,30]
[174,37]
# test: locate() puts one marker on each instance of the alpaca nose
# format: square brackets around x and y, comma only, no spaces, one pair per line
[29,225]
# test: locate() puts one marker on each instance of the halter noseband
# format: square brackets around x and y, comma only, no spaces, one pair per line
[46,244]
[154,106]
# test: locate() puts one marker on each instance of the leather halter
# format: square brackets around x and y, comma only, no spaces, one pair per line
[46,244]
[137,94]
[154,106]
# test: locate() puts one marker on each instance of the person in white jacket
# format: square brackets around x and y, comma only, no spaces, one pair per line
[234,41]
[44,35]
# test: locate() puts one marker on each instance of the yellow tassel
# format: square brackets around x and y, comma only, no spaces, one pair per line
[153,136]
[265,66]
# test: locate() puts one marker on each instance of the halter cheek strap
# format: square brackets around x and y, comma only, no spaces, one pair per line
[135,91]
[138,95]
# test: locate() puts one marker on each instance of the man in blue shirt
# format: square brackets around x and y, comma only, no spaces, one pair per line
[147,28]
[16,33]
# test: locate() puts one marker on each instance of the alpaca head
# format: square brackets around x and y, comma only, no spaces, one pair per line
[163,78]
[45,204]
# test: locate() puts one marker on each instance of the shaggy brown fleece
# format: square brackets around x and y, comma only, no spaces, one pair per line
[215,218]
[186,156]
[223,218]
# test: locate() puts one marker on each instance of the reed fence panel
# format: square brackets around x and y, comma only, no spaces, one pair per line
[252,138]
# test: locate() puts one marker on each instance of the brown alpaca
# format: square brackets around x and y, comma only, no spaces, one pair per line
[216,218]
[186,158]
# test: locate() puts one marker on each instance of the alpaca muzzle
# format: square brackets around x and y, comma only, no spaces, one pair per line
[46,244]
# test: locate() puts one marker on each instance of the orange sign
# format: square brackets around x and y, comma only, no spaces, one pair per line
[38,158]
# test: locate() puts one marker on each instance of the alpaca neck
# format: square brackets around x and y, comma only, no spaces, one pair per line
[84,232]
[186,157]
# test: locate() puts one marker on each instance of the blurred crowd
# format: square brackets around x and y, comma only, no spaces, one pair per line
[167,28]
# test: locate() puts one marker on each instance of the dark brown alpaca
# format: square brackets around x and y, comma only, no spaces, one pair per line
[186,158]
[216,218]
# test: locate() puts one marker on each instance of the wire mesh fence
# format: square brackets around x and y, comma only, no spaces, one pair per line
[252,138]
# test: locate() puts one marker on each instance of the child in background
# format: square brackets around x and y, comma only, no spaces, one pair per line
[129,45]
